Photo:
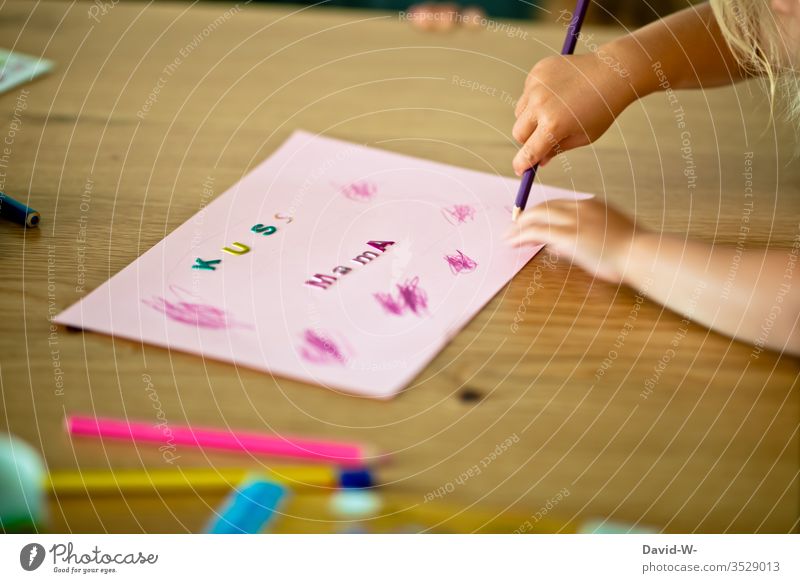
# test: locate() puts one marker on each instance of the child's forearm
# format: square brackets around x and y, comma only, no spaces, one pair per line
[689,48]
[752,295]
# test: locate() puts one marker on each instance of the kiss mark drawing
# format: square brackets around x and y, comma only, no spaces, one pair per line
[319,348]
[192,313]
[460,263]
[359,191]
[409,298]
[458,214]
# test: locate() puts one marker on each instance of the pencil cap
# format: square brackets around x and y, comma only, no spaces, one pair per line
[356,478]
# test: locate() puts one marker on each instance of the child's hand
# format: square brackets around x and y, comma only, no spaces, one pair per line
[594,236]
[567,102]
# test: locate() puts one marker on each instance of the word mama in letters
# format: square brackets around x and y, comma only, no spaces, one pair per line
[323,281]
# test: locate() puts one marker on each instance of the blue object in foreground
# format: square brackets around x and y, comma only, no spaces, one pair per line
[356,478]
[601,526]
[14,210]
[249,508]
[356,499]
[22,500]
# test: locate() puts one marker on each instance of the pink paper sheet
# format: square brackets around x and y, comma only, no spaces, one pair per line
[422,240]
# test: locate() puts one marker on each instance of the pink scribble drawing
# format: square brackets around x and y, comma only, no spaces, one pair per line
[319,348]
[409,298]
[192,313]
[389,304]
[460,263]
[360,191]
[459,213]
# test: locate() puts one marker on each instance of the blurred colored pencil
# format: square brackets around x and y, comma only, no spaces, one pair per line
[98,482]
[341,453]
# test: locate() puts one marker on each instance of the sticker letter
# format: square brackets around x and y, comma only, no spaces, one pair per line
[365,257]
[321,281]
[380,245]
[263,229]
[209,265]
[240,249]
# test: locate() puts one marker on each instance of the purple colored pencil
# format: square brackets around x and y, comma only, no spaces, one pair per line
[569,47]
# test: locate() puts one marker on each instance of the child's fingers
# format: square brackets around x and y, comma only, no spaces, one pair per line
[546,214]
[527,124]
[524,126]
[522,105]
[534,149]
[540,235]
[520,161]
[561,205]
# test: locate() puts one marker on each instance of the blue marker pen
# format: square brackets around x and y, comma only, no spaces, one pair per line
[15,211]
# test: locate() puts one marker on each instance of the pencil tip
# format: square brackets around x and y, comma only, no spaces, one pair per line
[515,213]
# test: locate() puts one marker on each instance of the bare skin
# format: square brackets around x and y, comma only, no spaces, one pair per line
[761,303]
[571,101]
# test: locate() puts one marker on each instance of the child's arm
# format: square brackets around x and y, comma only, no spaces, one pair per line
[753,295]
[689,47]
[571,101]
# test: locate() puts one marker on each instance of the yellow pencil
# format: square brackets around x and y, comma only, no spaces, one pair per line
[66,483]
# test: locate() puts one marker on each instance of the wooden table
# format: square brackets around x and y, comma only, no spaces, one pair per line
[712,447]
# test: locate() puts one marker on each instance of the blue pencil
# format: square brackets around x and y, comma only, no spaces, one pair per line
[569,47]
[14,210]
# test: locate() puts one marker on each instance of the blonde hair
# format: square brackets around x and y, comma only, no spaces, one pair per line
[753,34]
